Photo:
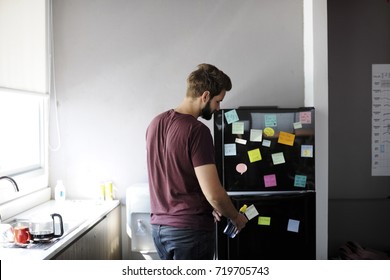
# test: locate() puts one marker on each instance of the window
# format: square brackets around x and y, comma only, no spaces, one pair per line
[24,91]
[22,125]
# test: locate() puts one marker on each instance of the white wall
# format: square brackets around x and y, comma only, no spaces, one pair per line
[119,63]
[320,101]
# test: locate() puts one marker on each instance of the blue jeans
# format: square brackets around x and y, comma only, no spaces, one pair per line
[183,244]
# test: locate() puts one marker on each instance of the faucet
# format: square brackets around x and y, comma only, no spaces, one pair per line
[12,181]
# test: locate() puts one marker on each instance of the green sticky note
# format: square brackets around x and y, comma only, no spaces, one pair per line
[264,221]
[256,135]
[254,155]
[278,158]
[238,128]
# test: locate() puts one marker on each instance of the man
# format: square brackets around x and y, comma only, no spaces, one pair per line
[185,192]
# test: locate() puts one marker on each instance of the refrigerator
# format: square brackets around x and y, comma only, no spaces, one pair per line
[265,158]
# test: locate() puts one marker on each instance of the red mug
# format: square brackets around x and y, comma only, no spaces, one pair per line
[21,235]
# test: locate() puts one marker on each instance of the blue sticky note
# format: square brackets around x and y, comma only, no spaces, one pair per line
[307,151]
[300,181]
[293,225]
[230,150]
[270,121]
[231,116]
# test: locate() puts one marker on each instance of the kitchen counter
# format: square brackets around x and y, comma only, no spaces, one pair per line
[78,217]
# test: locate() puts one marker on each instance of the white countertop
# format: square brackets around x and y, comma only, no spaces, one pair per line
[78,215]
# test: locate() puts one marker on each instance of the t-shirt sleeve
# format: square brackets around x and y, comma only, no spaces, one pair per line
[202,148]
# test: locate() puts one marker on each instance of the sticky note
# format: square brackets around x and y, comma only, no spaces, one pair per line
[231,116]
[266,143]
[241,168]
[300,181]
[270,120]
[293,225]
[305,117]
[286,138]
[256,135]
[307,151]
[297,125]
[254,155]
[240,141]
[251,212]
[270,180]
[269,131]
[230,150]
[264,221]
[238,128]
[278,158]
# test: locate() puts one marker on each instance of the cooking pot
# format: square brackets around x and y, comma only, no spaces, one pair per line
[45,228]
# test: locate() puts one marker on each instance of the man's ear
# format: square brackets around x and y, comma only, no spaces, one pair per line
[205,96]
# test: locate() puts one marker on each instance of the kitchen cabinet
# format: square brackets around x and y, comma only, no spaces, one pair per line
[101,242]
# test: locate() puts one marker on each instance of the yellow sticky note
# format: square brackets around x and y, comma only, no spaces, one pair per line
[264,221]
[254,155]
[286,138]
[269,131]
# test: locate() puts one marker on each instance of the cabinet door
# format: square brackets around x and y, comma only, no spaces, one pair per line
[113,235]
[101,242]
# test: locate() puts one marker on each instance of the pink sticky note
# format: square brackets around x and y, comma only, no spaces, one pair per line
[270,180]
[241,168]
[305,117]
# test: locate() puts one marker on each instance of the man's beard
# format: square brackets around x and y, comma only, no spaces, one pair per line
[206,112]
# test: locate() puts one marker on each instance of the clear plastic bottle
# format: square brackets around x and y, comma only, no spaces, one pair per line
[230,229]
[59,191]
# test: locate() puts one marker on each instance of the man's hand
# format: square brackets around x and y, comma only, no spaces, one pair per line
[239,222]
[217,215]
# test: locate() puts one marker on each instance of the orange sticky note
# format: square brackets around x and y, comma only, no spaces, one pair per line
[286,138]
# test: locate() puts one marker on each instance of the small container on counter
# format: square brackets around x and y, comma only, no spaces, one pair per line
[59,191]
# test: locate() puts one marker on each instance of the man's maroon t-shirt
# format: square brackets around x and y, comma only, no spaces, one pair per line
[176,144]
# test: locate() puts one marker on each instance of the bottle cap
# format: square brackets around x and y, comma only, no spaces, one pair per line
[243,208]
